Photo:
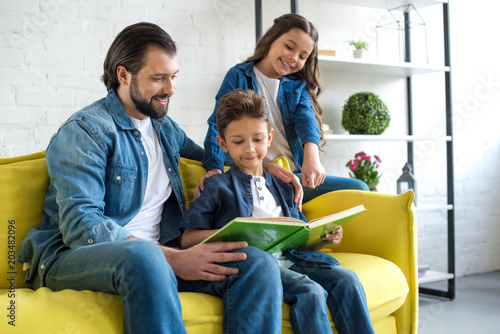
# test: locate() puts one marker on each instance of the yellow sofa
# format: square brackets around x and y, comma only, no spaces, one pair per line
[380,245]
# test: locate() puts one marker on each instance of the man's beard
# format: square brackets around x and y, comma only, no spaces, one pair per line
[144,107]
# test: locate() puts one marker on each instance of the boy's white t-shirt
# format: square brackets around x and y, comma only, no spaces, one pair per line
[265,205]
[269,88]
[146,224]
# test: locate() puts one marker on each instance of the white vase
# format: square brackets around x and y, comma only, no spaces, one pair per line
[358,53]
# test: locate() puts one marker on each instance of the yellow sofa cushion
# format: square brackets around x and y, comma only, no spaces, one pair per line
[24,182]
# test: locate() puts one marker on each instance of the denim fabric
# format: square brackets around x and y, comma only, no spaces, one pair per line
[314,282]
[135,269]
[311,259]
[98,172]
[296,109]
[345,298]
[331,183]
[252,299]
[228,195]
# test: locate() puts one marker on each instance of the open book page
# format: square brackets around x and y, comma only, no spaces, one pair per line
[336,216]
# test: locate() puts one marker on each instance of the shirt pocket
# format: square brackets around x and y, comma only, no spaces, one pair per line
[121,189]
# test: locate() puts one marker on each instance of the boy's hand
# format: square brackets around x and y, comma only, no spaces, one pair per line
[201,184]
[334,237]
[201,262]
[288,177]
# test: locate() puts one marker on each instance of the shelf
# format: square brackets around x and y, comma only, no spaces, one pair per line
[347,137]
[387,4]
[434,276]
[370,67]
[433,207]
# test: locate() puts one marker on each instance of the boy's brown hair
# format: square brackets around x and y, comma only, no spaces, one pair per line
[239,104]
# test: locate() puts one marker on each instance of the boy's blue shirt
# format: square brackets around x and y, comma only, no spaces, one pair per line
[299,118]
[229,195]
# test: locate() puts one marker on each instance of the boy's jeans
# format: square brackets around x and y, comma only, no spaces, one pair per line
[309,289]
[252,299]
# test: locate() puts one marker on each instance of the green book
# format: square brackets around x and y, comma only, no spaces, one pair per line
[281,233]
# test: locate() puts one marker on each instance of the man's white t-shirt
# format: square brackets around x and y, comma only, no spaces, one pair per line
[146,224]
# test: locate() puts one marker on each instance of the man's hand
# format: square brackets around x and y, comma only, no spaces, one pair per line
[201,184]
[201,262]
[288,177]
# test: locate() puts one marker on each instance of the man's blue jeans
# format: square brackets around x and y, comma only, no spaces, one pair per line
[310,289]
[332,183]
[137,270]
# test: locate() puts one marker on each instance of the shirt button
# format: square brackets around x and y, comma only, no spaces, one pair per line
[142,153]
[170,169]
[257,179]
[136,133]
[261,198]
[260,188]
[249,191]
[118,178]
[42,266]
[90,241]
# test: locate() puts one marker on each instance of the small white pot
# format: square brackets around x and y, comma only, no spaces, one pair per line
[358,53]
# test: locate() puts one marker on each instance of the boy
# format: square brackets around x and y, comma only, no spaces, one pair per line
[310,280]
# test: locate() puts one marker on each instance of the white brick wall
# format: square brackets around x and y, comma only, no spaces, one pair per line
[51,54]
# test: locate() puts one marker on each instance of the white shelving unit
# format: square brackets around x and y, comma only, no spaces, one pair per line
[361,66]
[407,70]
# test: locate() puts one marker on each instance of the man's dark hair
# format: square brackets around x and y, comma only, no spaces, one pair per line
[129,49]
[239,104]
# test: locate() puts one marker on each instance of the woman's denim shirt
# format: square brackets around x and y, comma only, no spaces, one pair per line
[296,109]
[98,175]
[229,195]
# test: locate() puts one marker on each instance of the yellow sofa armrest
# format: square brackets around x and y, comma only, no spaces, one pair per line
[387,229]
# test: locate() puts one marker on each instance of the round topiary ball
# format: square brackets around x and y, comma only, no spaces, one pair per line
[365,113]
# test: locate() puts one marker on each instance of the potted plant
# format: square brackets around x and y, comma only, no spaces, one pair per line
[359,48]
[364,168]
[365,113]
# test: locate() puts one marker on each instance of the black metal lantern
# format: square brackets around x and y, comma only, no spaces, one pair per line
[406,181]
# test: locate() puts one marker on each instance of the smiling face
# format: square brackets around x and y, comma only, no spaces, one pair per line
[247,141]
[148,93]
[287,54]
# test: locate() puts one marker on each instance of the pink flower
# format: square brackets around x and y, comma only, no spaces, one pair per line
[354,165]
[378,158]
[360,155]
[367,158]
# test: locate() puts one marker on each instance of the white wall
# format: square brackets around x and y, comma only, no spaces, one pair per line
[51,55]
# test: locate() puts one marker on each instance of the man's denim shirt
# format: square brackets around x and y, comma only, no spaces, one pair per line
[229,195]
[296,110]
[98,175]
